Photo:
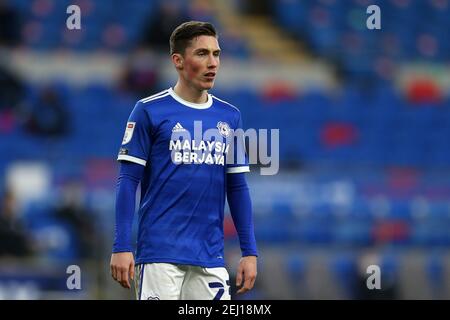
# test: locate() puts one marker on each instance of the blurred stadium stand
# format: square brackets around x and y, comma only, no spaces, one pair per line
[364,119]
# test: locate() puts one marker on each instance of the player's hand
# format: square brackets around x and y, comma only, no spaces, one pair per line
[122,267]
[246,273]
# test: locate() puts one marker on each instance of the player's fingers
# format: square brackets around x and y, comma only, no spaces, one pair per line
[239,277]
[251,277]
[132,271]
[243,279]
[118,276]
[113,272]
[125,282]
[249,282]
[247,285]
[252,282]
[242,290]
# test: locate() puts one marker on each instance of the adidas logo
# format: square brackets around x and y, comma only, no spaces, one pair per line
[178,128]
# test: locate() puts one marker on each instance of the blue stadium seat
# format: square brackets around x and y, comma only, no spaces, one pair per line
[354,234]
[344,268]
[435,273]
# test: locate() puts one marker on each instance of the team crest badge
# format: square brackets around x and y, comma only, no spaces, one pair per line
[224,129]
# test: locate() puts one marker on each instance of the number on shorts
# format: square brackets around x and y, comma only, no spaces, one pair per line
[219,294]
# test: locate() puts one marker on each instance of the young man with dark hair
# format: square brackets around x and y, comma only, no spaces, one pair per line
[184,182]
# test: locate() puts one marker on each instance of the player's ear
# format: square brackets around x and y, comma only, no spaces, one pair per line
[177,60]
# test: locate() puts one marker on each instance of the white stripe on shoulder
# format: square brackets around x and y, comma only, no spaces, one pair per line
[225,102]
[155,96]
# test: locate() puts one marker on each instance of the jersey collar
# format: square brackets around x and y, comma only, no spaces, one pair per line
[205,105]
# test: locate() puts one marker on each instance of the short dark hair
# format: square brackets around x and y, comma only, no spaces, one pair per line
[183,34]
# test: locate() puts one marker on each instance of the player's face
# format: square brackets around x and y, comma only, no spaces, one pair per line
[201,62]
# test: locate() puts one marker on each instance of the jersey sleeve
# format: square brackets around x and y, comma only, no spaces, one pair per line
[240,162]
[137,140]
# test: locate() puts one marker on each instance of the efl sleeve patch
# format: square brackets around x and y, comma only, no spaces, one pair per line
[128,132]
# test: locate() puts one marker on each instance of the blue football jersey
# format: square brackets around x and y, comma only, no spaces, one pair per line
[187,152]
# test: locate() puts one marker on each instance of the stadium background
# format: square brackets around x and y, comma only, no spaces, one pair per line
[364,119]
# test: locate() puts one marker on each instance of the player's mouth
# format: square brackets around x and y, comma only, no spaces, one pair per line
[210,75]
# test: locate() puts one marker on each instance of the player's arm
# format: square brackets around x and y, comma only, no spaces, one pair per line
[122,261]
[239,201]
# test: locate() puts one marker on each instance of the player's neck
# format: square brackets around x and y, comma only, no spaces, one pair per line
[190,94]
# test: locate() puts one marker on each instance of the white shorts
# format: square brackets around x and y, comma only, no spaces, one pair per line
[166,281]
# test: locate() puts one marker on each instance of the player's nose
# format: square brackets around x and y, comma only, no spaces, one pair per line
[213,62]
